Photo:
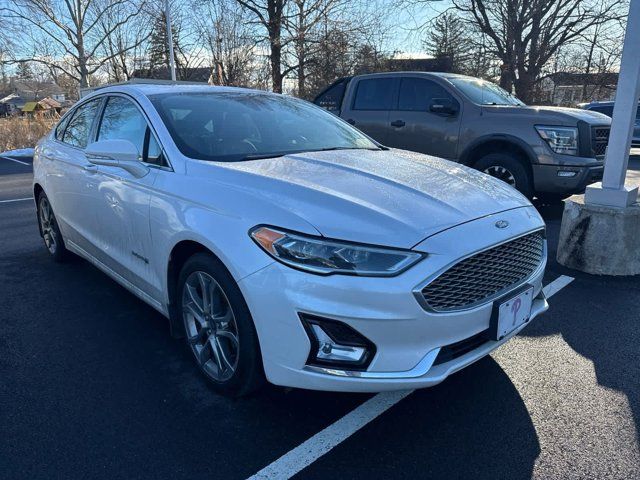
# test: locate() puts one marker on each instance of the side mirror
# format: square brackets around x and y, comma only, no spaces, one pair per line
[117,153]
[443,106]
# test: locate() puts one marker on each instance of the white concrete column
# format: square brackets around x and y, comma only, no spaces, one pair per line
[612,190]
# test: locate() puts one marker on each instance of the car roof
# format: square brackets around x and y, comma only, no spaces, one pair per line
[148,89]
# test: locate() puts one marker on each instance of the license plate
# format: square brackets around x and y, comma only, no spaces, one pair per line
[510,314]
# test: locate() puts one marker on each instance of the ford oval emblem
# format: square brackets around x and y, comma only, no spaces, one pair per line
[502,224]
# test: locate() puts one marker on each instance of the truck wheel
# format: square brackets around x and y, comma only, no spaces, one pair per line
[508,169]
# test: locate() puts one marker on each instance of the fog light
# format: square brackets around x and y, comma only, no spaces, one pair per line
[334,344]
[329,350]
[566,173]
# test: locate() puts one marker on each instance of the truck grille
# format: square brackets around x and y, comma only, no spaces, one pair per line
[485,274]
[599,140]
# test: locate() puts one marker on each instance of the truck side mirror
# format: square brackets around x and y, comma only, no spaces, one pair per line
[443,106]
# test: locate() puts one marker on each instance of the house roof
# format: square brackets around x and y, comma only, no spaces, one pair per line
[570,78]
[31,107]
[51,102]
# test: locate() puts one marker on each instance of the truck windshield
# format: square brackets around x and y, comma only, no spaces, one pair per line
[485,93]
[231,127]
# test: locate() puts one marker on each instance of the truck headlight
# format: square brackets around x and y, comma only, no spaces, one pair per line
[325,257]
[561,139]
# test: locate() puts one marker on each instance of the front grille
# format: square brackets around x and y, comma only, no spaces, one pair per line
[599,140]
[458,349]
[485,274]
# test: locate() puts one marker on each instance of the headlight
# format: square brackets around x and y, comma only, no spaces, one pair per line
[560,139]
[317,255]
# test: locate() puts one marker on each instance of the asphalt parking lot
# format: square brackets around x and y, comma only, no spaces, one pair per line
[93,386]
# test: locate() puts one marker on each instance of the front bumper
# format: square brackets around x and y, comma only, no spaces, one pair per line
[408,338]
[546,178]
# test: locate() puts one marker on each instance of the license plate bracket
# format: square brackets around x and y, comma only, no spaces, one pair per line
[510,312]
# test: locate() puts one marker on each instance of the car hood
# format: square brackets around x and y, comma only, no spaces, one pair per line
[394,198]
[558,115]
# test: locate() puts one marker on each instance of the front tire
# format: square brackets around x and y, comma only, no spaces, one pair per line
[50,231]
[218,327]
[508,169]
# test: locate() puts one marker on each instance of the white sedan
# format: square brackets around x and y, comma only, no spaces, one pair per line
[284,244]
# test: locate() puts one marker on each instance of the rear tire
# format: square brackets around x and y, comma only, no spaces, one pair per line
[219,330]
[508,169]
[49,230]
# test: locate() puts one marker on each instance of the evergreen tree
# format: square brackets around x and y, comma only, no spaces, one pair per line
[24,71]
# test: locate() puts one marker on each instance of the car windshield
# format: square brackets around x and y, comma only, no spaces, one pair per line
[237,126]
[485,93]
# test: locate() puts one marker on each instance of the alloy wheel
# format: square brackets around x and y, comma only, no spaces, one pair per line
[501,173]
[47,221]
[211,328]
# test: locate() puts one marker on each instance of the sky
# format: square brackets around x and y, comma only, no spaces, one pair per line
[404,22]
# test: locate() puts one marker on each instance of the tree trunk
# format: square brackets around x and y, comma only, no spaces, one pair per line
[275,10]
[524,86]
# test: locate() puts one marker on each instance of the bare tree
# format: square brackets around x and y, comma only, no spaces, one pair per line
[229,42]
[526,34]
[302,24]
[69,35]
[270,14]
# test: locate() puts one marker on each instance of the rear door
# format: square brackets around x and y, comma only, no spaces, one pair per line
[71,185]
[414,127]
[367,107]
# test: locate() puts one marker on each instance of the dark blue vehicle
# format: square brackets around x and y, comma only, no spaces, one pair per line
[607,109]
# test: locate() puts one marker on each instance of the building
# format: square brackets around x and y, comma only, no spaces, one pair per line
[568,89]
[23,91]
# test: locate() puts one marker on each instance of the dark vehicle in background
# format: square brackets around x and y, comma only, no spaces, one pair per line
[607,109]
[548,152]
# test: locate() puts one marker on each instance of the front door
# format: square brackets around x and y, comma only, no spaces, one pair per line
[124,200]
[414,127]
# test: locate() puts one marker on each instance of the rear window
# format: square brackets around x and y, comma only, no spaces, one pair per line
[331,98]
[374,94]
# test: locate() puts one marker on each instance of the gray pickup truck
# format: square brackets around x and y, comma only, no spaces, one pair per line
[547,152]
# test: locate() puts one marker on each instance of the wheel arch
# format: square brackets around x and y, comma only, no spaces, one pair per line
[498,143]
[179,254]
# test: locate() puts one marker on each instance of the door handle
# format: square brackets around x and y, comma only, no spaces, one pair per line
[398,123]
[90,168]
[351,121]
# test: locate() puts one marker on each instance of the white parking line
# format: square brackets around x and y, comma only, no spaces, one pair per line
[16,200]
[308,452]
[557,285]
[322,442]
[17,161]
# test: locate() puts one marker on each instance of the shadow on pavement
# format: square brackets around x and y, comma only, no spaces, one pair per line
[474,425]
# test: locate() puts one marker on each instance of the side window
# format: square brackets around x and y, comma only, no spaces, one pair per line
[374,94]
[607,110]
[416,94]
[331,99]
[79,126]
[122,120]
[153,152]
[60,128]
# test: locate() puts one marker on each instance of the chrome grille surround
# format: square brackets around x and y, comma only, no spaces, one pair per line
[600,140]
[485,275]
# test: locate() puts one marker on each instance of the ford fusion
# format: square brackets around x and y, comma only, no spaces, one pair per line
[285,245]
